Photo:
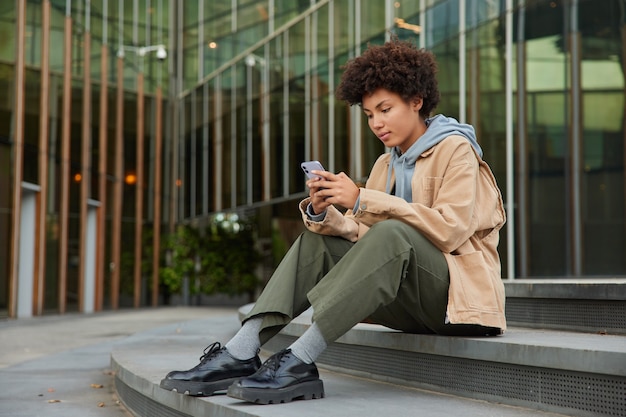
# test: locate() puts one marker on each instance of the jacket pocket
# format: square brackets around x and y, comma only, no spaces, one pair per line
[472,286]
[430,190]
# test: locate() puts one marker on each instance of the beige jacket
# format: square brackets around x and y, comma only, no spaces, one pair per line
[457,205]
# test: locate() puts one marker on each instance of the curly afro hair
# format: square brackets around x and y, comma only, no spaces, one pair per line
[398,66]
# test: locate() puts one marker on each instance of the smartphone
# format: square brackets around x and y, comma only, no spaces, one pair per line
[309,166]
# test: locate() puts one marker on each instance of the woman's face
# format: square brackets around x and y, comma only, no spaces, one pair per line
[394,121]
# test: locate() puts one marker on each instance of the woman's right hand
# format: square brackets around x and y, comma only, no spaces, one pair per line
[329,188]
[318,201]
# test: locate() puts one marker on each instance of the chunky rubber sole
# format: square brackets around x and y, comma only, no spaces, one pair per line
[197,388]
[304,391]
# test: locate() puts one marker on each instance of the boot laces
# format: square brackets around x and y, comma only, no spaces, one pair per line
[210,351]
[274,361]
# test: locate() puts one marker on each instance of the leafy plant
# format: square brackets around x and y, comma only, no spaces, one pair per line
[220,258]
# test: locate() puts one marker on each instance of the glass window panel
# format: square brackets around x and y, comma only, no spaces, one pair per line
[218,37]
[343,49]
[342,33]
[190,43]
[297,108]
[372,19]
[343,155]
[146,191]
[31,126]
[229,132]
[7,31]
[6,115]
[442,22]
[93,189]
[56,39]
[602,183]
[407,11]
[187,155]
[447,56]
[252,23]
[198,152]
[251,134]
[479,12]
[284,11]
[320,91]
[32,42]
[486,100]
[209,141]
[297,42]
[547,141]
[96,25]
[239,151]
[5,226]
[275,117]
[296,135]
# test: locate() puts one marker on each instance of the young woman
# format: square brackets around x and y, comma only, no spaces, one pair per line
[416,250]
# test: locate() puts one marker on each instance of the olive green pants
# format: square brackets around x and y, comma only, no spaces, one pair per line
[392,276]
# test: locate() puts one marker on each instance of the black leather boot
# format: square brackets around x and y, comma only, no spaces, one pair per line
[216,371]
[281,379]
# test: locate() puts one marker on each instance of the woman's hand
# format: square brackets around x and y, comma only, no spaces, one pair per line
[328,188]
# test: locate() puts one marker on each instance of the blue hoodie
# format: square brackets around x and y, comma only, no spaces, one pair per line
[438,128]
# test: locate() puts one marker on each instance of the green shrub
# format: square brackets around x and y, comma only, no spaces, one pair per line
[221,258]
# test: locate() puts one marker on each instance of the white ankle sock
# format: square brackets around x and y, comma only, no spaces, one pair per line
[310,345]
[245,344]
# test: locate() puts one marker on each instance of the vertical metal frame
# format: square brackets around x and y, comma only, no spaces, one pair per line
[182,178]
[18,156]
[356,139]
[510,172]
[623,67]
[176,22]
[331,89]
[265,119]
[522,141]
[218,144]
[102,161]
[200,40]
[158,198]
[64,199]
[316,143]
[474,69]
[206,162]
[423,24]
[139,185]
[170,146]
[308,146]
[286,149]
[234,169]
[249,135]
[44,131]
[389,16]
[85,156]
[118,185]
[193,156]
[576,139]
[462,66]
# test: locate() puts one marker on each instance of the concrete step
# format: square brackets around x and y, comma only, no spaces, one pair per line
[591,305]
[566,372]
[143,359]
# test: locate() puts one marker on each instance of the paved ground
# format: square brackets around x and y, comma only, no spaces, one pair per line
[59,366]
[143,359]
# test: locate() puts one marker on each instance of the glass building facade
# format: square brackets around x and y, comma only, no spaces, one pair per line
[120,119]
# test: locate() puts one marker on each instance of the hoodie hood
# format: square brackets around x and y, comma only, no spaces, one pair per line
[437,129]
